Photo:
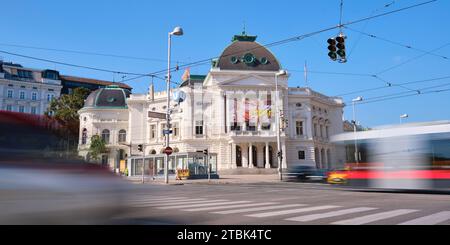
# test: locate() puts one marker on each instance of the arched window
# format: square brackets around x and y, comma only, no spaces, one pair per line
[84,136]
[153,152]
[122,135]
[105,135]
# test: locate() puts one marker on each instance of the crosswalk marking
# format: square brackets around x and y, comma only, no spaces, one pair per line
[230,206]
[179,203]
[202,205]
[258,209]
[312,217]
[374,217]
[291,211]
[433,219]
[170,201]
[156,199]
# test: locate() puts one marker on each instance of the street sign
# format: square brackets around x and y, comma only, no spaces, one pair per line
[165,131]
[159,115]
[168,151]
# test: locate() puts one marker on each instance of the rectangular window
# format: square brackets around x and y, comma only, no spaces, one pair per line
[24,74]
[327,133]
[321,131]
[34,96]
[315,130]
[199,128]
[22,95]
[10,94]
[21,108]
[299,127]
[152,131]
[33,110]
[301,155]
[9,107]
[50,97]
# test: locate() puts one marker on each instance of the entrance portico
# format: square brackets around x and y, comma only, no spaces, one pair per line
[257,153]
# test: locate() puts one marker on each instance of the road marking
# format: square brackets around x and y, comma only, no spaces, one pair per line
[312,217]
[374,217]
[258,209]
[177,203]
[202,205]
[168,201]
[433,219]
[291,211]
[157,199]
[230,207]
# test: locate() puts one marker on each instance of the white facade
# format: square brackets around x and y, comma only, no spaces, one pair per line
[231,113]
[27,90]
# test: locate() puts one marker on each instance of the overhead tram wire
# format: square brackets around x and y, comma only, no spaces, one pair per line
[422,91]
[393,85]
[412,59]
[403,96]
[80,66]
[84,52]
[296,38]
[397,43]
[365,26]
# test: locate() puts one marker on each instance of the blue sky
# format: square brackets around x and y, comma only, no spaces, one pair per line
[139,29]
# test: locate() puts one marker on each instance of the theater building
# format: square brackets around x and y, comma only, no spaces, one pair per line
[230,112]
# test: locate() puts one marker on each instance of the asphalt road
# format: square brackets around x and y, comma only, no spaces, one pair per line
[277,204]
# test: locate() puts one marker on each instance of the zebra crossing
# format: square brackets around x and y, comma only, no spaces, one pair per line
[293,213]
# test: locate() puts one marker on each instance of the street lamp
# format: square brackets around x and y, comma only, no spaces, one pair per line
[404,116]
[357,99]
[277,125]
[177,31]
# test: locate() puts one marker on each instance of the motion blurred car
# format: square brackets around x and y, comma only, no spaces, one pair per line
[337,177]
[49,194]
[41,184]
[306,174]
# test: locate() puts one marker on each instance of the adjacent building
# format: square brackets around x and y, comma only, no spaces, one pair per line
[230,112]
[27,90]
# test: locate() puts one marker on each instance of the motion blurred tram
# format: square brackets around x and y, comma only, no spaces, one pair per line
[403,157]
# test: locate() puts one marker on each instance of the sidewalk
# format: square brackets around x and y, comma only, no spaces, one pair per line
[224,179]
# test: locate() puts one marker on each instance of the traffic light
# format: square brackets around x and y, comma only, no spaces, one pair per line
[205,151]
[341,48]
[332,48]
[140,148]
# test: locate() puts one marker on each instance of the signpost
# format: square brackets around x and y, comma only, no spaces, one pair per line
[168,151]
[158,115]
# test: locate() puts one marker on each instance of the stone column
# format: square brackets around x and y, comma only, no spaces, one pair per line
[284,162]
[244,150]
[268,160]
[250,153]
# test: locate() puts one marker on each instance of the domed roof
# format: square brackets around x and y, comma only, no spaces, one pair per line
[246,54]
[110,97]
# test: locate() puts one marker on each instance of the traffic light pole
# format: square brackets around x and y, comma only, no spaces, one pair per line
[209,167]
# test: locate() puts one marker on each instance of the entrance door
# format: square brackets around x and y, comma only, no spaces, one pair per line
[238,156]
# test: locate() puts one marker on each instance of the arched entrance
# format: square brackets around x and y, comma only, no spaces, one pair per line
[238,156]
[271,161]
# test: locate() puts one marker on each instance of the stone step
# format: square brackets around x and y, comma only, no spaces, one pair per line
[248,171]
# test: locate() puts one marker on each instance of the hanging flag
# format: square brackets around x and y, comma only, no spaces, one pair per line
[186,75]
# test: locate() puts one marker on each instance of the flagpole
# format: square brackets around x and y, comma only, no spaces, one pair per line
[306,74]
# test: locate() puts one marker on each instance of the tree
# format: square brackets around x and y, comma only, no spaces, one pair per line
[65,109]
[97,147]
